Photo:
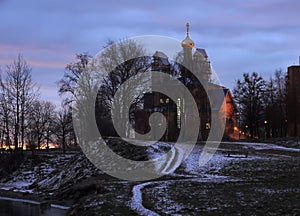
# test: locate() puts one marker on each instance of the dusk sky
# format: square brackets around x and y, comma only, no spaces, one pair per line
[239,36]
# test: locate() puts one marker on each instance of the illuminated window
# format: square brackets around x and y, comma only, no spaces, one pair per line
[178,112]
[161,101]
[167,100]
[207,125]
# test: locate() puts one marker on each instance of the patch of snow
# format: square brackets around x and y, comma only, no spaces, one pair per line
[167,157]
[137,200]
[21,184]
[60,207]
[6,188]
[17,187]
[20,200]
[211,208]
[23,190]
[213,166]
[158,149]
[261,146]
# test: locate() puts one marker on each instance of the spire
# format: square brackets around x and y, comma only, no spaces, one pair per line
[187,42]
[187,28]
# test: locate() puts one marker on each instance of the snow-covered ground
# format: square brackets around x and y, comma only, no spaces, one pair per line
[190,171]
[30,172]
[265,146]
[58,173]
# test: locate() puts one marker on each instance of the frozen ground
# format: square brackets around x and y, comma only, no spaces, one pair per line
[35,170]
[266,182]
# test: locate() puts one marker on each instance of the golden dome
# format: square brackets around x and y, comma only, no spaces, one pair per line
[187,41]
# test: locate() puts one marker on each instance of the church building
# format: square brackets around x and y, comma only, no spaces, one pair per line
[212,100]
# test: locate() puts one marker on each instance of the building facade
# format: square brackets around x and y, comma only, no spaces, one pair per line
[293,101]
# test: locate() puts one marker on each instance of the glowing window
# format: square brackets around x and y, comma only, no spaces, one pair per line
[178,112]
[207,125]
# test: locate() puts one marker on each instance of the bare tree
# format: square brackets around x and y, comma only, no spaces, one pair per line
[73,71]
[21,92]
[6,115]
[63,127]
[282,101]
[39,122]
[275,105]
[270,107]
[114,70]
[118,63]
[49,129]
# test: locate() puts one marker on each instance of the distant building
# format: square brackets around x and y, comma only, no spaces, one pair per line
[293,101]
[218,104]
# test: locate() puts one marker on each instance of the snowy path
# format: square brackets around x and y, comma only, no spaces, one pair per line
[137,200]
[167,167]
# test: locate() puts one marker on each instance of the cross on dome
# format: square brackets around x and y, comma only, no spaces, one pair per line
[187,42]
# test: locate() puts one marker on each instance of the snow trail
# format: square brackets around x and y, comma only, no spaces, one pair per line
[137,200]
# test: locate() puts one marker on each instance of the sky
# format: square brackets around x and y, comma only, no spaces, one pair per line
[239,36]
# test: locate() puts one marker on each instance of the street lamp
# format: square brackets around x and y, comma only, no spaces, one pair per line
[265,122]
[235,130]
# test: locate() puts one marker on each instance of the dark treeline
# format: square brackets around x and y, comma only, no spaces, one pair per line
[25,119]
[262,105]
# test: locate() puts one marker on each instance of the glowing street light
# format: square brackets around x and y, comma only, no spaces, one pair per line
[266,122]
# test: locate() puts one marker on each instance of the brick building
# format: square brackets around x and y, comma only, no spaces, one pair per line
[293,101]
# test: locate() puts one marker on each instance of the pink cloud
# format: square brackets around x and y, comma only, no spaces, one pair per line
[35,56]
